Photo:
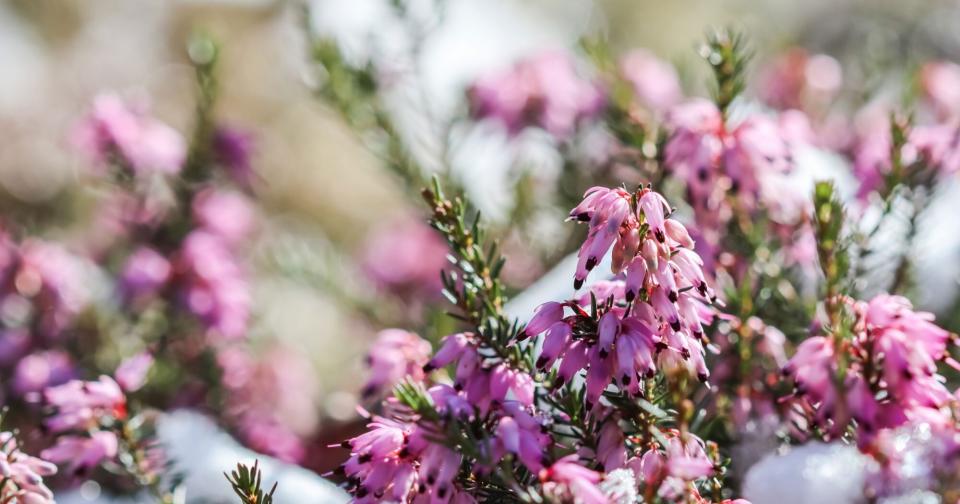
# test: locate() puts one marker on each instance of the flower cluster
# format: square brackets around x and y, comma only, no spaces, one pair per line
[43,289]
[395,355]
[654,312]
[544,92]
[83,415]
[117,131]
[648,321]
[884,376]
[395,461]
[23,473]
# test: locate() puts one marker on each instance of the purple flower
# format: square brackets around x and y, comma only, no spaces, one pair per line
[651,317]
[394,461]
[116,128]
[213,285]
[234,149]
[40,370]
[145,273]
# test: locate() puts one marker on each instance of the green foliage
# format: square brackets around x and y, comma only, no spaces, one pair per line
[474,286]
[246,483]
[727,54]
[832,248]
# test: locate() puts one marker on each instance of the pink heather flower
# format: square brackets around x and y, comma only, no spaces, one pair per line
[940,83]
[715,160]
[40,370]
[688,460]
[611,447]
[23,474]
[116,128]
[132,372]
[521,433]
[570,479]
[483,387]
[935,146]
[656,312]
[799,80]
[227,214]
[405,258]
[394,461]
[233,149]
[394,355]
[80,405]
[544,91]
[655,82]
[892,342]
[938,146]
[82,453]
[145,273]
[214,285]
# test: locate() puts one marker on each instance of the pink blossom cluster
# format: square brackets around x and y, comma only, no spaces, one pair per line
[483,385]
[82,417]
[396,461]
[655,82]
[259,402]
[213,283]
[933,145]
[120,132]
[798,80]
[657,307]
[404,257]
[545,91]
[23,474]
[43,290]
[883,377]
[393,356]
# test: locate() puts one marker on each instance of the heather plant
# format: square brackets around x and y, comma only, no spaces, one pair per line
[717,305]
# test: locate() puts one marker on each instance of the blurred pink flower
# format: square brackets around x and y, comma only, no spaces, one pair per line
[117,128]
[405,257]
[797,79]
[578,481]
[79,405]
[655,82]
[132,373]
[82,453]
[270,399]
[213,284]
[225,213]
[40,370]
[23,474]
[145,273]
[940,83]
[54,281]
[234,149]
[395,355]
[544,91]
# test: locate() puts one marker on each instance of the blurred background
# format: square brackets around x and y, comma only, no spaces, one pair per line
[327,88]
